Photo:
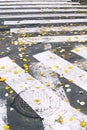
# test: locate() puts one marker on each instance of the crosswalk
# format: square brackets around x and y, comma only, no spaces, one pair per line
[81,50]
[43,63]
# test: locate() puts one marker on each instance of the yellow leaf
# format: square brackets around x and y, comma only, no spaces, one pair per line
[21,86]
[38,87]
[11,92]
[70,80]
[2,67]
[51,74]
[66,71]
[85,63]
[22,49]
[20,42]
[47,84]
[66,100]
[37,101]
[50,57]
[15,67]
[24,59]
[41,73]
[71,119]
[16,72]
[57,66]
[2,79]
[7,87]
[63,56]
[54,50]
[29,78]
[6,127]
[83,124]
[2,52]
[70,67]
[76,49]
[42,31]
[55,86]
[78,109]
[68,39]
[60,119]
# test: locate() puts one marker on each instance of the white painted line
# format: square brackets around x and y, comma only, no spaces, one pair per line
[42,15]
[41,6]
[47,29]
[76,75]
[25,84]
[41,10]
[16,22]
[52,39]
[27,0]
[80,50]
[3,114]
[31,3]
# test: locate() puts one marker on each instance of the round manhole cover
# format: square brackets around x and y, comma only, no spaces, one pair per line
[23,108]
[27,104]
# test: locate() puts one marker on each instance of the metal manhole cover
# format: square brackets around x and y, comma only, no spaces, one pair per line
[23,108]
[25,103]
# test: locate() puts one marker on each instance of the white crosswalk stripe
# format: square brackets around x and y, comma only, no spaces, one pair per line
[27,2]
[46,29]
[43,15]
[80,50]
[72,74]
[44,21]
[51,39]
[41,6]
[42,10]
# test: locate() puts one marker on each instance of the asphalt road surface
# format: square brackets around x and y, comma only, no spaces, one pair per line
[43,65]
